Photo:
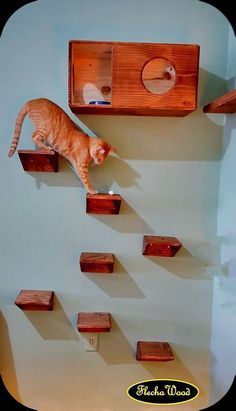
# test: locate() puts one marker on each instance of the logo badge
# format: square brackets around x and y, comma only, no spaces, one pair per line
[163,392]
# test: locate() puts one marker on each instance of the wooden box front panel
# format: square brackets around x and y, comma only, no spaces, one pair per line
[160,246]
[154,351]
[103,203]
[128,88]
[39,160]
[39,300]
[96,262]
[94,322]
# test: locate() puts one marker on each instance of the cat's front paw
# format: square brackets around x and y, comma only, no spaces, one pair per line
[93,192]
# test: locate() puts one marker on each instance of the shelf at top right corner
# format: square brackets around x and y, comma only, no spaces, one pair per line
[224,104]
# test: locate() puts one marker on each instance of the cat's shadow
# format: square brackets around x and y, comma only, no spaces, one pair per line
[114,169]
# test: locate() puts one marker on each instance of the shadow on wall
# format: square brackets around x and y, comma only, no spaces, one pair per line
[230,125]
[52,325]
[210,87]
[183,265]
[113,170]
[194,137]
[191,138]
[176,368]
[7,367]
[128,221]
[118,284]
[114,347]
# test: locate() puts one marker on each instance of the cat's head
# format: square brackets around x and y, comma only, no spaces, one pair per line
[99,149]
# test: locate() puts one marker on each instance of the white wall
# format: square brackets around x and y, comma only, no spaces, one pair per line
[168,174]
[224,301]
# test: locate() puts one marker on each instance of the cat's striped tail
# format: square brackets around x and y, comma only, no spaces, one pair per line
[18,125]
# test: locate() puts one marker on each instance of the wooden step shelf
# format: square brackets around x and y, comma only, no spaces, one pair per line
[39,160]
[95,322]
[133,78]
[103,203]
[154,351]
[160,246]
[224,104]
[97,262]
[35,300]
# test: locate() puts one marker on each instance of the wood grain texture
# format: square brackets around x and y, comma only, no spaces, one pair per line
[91,262]
[39,300]
[224,104]
[154,351]
[103,203]
[39,160]
[96,322]
[128,94]
[160,246]
[127,82]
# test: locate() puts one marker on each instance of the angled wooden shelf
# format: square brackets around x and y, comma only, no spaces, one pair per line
[224,104]
[35,300]
[103,203]
[39,160]
[96,262]
[94,322]
[154,351]
[160,246]
[111,78]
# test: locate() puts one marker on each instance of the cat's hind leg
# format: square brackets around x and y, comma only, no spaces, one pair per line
[39,138]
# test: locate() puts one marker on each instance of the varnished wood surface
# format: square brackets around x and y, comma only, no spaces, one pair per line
[128,88]
[160,246]
[39,160]
[224,104]
[39,300]
[154,351]
[129,111]
[125,62]
[96,322]
[91,262]
[103,203]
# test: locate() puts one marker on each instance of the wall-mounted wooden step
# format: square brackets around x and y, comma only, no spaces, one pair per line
[97,262]
[103,203]
[95,322]
[36,300]
[224,104]
[154,351]
[160,246]
[39,160]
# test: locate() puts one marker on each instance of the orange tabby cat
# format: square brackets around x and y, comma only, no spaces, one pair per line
[54,130]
